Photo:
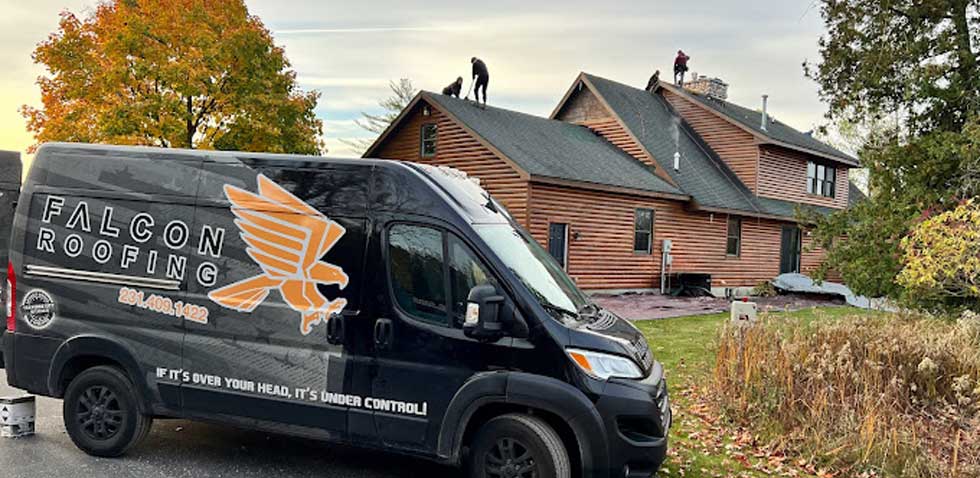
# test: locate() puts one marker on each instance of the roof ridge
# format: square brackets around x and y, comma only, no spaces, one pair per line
[490,107]
[476,120]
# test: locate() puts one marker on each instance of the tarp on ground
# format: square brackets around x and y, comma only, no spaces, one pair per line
[800,283]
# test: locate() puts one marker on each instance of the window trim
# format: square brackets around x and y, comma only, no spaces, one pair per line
[816,184]
[728,236]
[653,222]
[422,140]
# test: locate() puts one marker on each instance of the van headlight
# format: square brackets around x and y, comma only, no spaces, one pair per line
[603,366]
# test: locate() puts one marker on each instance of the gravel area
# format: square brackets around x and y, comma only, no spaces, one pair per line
[656,306]
[185,449]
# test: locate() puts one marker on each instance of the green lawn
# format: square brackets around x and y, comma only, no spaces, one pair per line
[701,443]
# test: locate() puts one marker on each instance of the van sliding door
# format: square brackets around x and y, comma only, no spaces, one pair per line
[291,260]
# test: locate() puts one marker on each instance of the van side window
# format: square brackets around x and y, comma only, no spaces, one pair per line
[417,273]
[465,272]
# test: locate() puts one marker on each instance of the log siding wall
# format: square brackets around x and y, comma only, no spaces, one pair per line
[736,147]
[602,257]
[457,148]
[585,108]
[782,175]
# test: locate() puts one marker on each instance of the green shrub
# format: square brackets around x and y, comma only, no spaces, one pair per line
[894,395]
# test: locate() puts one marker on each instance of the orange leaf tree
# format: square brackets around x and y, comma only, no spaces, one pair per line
[173,73]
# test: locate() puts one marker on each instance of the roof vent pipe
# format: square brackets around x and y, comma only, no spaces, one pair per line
[765,112]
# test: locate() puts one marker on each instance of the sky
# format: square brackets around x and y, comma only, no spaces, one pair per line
[349,51]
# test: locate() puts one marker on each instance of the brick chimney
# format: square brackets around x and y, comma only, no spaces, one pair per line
[710,87]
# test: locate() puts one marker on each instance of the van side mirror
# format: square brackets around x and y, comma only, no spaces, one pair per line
[482,321]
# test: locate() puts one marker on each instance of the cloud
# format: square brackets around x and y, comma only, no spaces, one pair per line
[324,31]
[349,51]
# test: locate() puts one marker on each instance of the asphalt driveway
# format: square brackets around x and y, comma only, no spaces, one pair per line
[179,448]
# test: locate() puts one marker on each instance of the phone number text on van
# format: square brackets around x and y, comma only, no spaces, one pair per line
[163,305]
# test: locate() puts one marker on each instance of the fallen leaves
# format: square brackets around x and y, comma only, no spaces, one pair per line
[705,444]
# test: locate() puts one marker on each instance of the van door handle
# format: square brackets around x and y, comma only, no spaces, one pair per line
[382,334]
[335,329]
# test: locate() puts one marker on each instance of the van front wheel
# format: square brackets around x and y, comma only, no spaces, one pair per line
[102,413]
[518,446]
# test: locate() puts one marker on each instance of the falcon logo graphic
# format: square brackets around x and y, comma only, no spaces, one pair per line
[286,238]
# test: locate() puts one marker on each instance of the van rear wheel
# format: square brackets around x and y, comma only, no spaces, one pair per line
[102,413]
[518,446]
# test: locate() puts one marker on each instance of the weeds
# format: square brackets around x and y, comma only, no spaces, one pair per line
[887,395]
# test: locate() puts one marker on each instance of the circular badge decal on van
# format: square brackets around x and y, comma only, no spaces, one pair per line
[39,309]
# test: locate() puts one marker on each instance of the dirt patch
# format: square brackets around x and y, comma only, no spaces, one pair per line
[656,306]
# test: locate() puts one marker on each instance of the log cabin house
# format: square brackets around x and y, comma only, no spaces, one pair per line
[617,174]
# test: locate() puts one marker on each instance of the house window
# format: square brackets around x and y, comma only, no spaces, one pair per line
[821,180]
[643,231]
[429,133]
[733,246]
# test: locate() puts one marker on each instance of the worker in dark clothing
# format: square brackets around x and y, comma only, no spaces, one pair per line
[454,88]
[680,67]
[482,77]
[653,82]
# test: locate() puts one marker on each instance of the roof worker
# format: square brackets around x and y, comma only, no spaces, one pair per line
[653,82]
[680,67]
[482,77]
[454,88]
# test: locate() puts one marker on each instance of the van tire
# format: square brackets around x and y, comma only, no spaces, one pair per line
[526,436]
[102,412]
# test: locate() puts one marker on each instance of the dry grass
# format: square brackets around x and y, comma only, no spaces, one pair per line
[885,395]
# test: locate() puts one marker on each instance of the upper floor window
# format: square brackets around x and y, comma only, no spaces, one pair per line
[821,180]
[733,246]
[429,133]
[643,231]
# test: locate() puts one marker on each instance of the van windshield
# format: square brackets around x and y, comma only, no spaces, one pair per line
[535,268]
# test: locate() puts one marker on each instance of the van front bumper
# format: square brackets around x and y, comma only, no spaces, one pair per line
[637,417]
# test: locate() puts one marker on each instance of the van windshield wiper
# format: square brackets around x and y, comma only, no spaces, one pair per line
[554,308]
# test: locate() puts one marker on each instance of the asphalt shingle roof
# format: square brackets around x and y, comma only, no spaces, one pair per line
[775,130]
[702,174]
[854,194]
[662,132]
[554,149]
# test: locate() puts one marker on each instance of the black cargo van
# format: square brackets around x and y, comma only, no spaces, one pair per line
[378,303]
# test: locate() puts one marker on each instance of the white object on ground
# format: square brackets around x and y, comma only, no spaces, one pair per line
[804,284]
[744,313]
[16,416]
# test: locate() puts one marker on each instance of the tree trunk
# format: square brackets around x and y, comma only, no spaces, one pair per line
[966,59]
[190,123]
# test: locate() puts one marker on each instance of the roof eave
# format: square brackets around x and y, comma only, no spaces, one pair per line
[695,206]
[392,126]
[607,188]
[848,161]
